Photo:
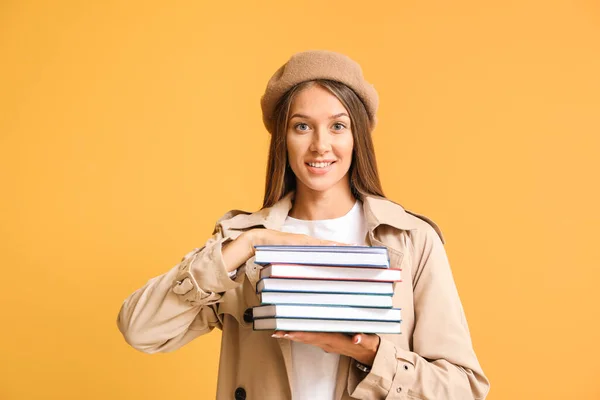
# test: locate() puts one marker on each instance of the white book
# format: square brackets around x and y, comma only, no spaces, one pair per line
[328,312]
[365,256]
[358,300]
[335,273]
[319,325]
[323,286]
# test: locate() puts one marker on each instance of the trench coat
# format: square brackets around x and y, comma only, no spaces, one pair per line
[433,357]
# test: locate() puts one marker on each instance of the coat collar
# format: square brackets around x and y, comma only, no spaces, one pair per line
[381,211]
[378,211]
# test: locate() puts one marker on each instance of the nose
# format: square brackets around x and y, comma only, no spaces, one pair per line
[321,141]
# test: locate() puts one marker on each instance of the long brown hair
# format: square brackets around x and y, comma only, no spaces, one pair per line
[364,178]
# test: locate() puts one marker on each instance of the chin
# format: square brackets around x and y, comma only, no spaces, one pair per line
[320,186]
[320,189]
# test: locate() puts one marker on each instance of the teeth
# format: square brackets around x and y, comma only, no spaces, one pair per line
[320,164]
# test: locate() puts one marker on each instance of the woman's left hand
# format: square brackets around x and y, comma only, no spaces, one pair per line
[361,347]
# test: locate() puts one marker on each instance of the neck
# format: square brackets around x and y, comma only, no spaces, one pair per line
[313,205]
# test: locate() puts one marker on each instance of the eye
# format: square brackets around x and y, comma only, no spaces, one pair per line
[301,126]
[338,126]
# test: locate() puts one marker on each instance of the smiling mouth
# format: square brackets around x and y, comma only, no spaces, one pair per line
[320,164]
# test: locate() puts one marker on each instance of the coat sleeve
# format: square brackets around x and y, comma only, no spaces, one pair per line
[172,309]
[442,363]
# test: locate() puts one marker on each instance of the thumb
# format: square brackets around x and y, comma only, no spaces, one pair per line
[366,341]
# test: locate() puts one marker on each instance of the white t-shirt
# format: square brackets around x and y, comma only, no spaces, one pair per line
[314,371]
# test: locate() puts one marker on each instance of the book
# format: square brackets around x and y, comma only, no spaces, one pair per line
[328,272]
[359,300]
[319,325]
[328,312]
[364,256]
[324,286]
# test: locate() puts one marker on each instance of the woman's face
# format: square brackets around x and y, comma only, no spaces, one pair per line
[319,140]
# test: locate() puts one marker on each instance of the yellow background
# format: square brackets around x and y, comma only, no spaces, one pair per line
[128,128]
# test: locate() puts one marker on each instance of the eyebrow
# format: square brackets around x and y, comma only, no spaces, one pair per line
[331,117]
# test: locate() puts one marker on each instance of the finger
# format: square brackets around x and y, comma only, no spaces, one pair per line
[366,341]
[305,337]
[286,238]
[302,239]
[310,240]
[331,243]
[278,334]
[321,242]
[316,338]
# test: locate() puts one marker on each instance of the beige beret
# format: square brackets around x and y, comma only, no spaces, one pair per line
[317,64]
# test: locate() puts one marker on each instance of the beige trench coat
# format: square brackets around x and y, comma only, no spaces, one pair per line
[433,358]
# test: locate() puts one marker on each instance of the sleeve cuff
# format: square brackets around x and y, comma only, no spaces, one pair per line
[405,371]
[232,274]
[391,374]
[202,275]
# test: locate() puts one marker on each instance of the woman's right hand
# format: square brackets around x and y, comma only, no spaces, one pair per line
[267,237]
[238,251]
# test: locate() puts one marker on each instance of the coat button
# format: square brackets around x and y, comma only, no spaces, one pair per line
[240,394]
[248,315]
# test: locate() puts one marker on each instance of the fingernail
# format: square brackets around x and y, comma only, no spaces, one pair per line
[358,339]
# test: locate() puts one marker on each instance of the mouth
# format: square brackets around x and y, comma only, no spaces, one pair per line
[320,164]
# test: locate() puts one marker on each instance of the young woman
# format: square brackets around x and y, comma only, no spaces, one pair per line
[322,187]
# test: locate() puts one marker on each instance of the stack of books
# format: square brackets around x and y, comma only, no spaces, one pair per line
[345,289]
